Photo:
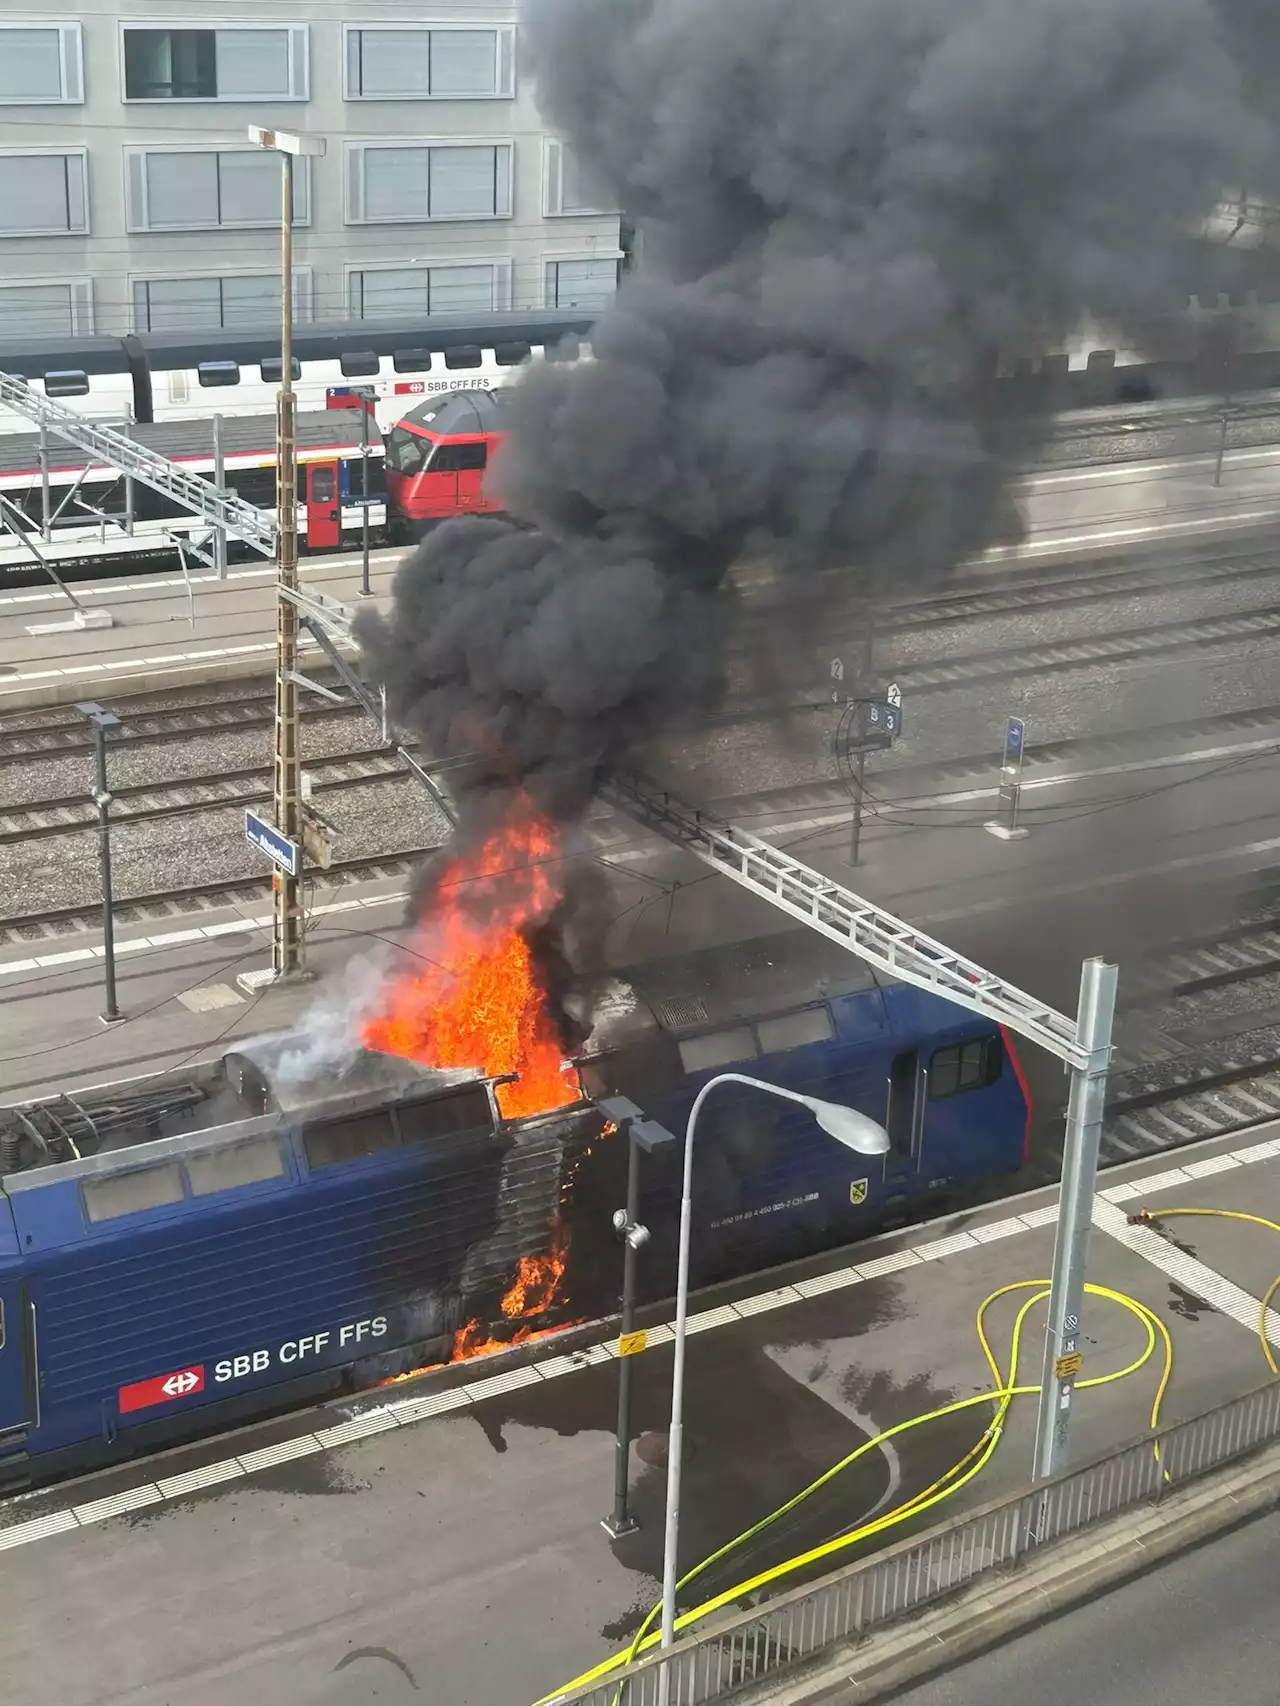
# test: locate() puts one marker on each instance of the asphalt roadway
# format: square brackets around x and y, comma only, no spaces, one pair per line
[1197,1630]
[444,1543]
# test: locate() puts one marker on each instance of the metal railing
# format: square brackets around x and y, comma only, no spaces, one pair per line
[842,1608]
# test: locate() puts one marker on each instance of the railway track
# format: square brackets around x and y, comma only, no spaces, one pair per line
[55,924]
[140,802]
[65,736]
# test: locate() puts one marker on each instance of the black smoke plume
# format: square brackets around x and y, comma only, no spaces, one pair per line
[846,206]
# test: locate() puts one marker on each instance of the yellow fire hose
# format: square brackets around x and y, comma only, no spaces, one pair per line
[1002,1393]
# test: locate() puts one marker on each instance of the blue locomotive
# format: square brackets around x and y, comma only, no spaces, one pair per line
[187,1250]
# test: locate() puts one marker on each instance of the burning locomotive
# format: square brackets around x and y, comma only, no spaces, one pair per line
[181,1252]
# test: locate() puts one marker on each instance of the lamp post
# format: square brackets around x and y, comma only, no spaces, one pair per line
[101,722]
[286,933]
[850,1128]
[642,1136]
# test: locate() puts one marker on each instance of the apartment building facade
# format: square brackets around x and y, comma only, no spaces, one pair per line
[131,199]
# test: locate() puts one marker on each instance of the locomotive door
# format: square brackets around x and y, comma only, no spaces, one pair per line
[905,1091]
[19,1403]
[324,505]
[472,460]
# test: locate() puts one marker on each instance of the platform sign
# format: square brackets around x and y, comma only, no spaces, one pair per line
[884,718]
[161,1389]
[1005,823]
[286,855]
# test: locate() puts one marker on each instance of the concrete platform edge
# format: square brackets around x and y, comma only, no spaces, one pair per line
[1001,1606]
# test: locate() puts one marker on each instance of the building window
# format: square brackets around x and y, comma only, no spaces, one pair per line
[195,189]
[215,64]
[41,64]
[239,299]
[584,284]
[62,309]
[965,1066]
[43,194]
[393,183]
[566,188]
[429,64]
[375,293]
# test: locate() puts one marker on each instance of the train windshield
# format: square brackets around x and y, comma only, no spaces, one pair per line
[407,451]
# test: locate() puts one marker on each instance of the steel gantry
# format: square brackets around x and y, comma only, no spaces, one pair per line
[115,450]
[893,946]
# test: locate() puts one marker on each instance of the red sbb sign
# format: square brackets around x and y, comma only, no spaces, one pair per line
[410,387]
[161,1389]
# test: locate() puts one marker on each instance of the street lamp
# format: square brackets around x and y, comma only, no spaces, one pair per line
[855,1131]
[286,933]
[101,722]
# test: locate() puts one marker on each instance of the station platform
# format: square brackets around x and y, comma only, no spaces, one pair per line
[167,631]
[441,1538]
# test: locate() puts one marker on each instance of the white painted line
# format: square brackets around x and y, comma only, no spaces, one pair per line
[175,937]
[272,1455]
[360,1427]
[18,965]
[1141,1187]
[65,959]
[509,1382]
[1214,1164]
[720,1317]
[39,1528]
[99,1510]
[945,1246]
[998,1229]
[887,1264]
[1258,1152]
[1040,1216]
[196,1480]
[766,1300]
[419,1409]
[822,1283]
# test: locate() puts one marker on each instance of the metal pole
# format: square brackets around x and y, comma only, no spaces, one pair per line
[1075,1214]
[1222,450]
[46,528]
[286,933]
[102,799]
[860,767]
[220,486]
[365,590]
[621,1521]
[671,1538]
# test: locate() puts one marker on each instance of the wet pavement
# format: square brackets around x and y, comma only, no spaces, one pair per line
[373,1552]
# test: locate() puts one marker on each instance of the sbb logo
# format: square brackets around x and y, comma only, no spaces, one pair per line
[161,1389]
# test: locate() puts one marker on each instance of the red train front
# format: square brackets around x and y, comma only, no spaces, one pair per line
[438,453]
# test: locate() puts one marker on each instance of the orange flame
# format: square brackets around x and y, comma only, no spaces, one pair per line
[476,1001]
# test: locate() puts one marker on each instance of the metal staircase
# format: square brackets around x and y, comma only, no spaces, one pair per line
[860,925]
[223,509]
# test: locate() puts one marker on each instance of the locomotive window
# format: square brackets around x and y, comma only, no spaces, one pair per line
[510,355]
[406,452]
[359,364]
[419,1122]
[270,369]
[965,1066]
[717,1048]
[348,1140]
[67,383]
[219,373]
[132,1193]
[242,1164]
[411,360]
[458,458]
[465,355]
[793,1030]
